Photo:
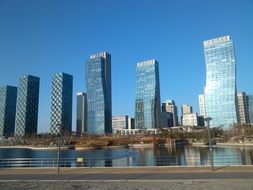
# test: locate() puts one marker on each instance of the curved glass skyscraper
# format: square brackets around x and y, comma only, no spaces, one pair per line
[98,84]
[147,103]
[220,90]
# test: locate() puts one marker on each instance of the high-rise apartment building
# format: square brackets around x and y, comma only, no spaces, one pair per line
[61,104]
[170,106]
[147,102]
[99,101]
[220,88]
[8,98]
[27,106]
[242,108]
[81,113]
[186,109]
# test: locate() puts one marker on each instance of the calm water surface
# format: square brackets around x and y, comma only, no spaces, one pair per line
[190,156]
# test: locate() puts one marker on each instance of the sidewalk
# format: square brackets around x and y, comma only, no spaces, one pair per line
[128,170]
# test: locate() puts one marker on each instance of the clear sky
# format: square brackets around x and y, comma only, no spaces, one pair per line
[43,37]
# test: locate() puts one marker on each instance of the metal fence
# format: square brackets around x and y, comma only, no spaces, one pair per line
[123,162]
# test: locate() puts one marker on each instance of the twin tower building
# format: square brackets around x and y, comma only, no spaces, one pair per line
[19,107]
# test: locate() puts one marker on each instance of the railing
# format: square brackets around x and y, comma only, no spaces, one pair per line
[219,160]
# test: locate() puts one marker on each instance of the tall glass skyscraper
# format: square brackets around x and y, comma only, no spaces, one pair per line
[27,106]
[99,101]
[8,99]
[147,103]
[61,104]
[220,90]
[81,113]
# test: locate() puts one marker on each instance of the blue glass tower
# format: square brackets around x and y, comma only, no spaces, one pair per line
[27,106]
[147,103]
[8,99]
[98,84]
[220,90]
[61,104]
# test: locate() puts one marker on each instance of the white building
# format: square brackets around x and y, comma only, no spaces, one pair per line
[190,119]
[119,123]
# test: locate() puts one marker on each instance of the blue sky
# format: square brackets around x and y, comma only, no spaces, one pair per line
[43,37]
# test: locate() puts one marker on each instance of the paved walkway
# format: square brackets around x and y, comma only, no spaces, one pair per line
[140,178]
[129,170]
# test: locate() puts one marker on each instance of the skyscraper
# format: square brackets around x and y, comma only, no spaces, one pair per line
[81,113]
[170,106]
[61,104]
[220,88]
[99,101]
[242,108]
[27,106]
[147,103]
[8,99]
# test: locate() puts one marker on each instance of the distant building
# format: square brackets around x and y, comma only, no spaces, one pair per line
[202,109]
[8,99]
[220,89]
[190,119]
[242,107]
[99,100]
[81,113]
[147,102]
[27,106]
[119,122]
[186,109]
[250,108]
[170,106]
[131,123]
[166,119]
[61,104]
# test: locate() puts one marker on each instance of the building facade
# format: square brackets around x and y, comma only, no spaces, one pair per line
[147,102]
[202,108]
[61,104]
[220,88]
[190,119]
[186,109]
[170,106]
[81,113]
[242,108]
[119,123]
[99,101]
[8,99]
[27,106]
[166,119]
[131,123]
[250,107]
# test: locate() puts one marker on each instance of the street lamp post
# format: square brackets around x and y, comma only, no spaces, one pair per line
[208,119]
[59,148]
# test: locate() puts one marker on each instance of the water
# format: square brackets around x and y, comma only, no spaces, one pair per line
[162,156]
